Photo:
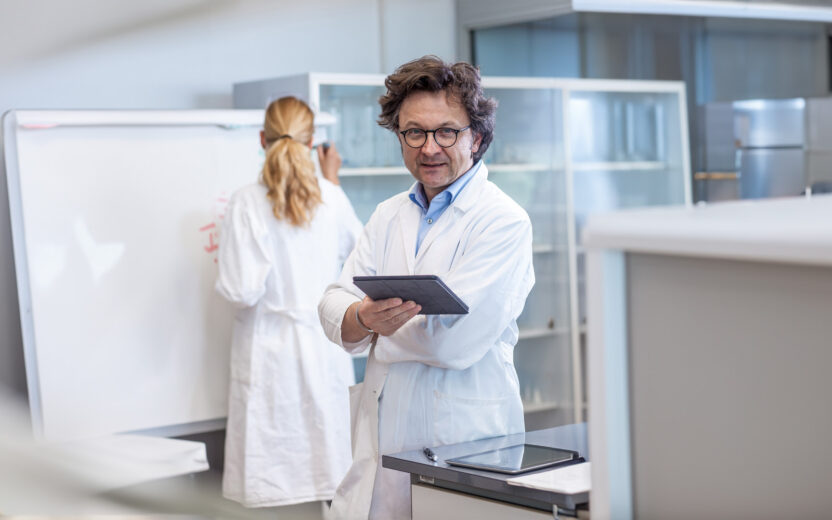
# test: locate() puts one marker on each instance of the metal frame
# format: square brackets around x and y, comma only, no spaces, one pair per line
[609,438]
[482,14]
[721,8]
[21,268]
[567,86]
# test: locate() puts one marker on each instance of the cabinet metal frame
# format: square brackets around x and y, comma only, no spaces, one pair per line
[313,82]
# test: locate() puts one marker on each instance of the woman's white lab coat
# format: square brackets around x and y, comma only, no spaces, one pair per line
[439,379]
[287,438]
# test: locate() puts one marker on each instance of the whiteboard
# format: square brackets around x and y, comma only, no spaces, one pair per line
[115,220]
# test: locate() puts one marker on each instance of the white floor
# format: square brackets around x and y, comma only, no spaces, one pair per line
[210,482]
[193,497]
[201,496]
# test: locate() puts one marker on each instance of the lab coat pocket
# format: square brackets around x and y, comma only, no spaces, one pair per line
[355,402]
[458,419]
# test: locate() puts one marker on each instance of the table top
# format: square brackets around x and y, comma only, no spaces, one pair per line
[784,230]
[487,483]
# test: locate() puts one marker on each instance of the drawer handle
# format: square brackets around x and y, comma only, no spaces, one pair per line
[715,176]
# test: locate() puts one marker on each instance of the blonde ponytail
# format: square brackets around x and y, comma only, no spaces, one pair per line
[288,171]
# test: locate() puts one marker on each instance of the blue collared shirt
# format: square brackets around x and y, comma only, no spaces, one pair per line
[431,212]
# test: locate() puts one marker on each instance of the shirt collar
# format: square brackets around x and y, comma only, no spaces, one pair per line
[449,194]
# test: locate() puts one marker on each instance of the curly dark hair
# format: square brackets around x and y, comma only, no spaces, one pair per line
[459,80]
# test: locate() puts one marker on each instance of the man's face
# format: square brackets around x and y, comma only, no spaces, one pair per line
[436,167]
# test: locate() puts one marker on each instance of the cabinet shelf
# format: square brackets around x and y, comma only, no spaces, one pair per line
[374,170]
[619,166]
[548,248]
[551,279]
[520,167]
[542,406]
[401,170]
[542,332]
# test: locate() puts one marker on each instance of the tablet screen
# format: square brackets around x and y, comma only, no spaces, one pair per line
[515,459]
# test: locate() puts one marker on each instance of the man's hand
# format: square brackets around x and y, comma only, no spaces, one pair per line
[386,316]
[382,316]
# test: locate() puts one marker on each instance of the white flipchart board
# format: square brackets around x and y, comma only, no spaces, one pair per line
[115,219]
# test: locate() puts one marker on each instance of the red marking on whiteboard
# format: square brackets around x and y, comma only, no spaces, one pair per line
[219,206]
[211,247]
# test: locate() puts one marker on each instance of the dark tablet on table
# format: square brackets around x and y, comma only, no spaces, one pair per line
[427,290]
[516,459]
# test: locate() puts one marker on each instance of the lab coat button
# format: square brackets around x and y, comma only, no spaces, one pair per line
[430,221]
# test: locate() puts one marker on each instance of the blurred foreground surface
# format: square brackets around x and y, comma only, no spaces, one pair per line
[74,480]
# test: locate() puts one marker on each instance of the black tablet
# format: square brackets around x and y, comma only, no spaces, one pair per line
[516,459]
[427,290]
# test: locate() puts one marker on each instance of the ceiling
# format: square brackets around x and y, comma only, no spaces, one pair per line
[32,28]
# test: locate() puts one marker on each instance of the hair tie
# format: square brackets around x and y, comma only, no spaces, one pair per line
[282,136]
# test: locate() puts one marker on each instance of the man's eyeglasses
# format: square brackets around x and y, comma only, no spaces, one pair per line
[444,137]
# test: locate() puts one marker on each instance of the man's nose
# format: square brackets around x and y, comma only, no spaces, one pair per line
[431,147]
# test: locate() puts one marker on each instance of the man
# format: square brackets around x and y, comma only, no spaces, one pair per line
[432,380]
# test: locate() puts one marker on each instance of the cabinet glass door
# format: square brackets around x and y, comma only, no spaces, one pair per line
[372,169]
[526,161]
[627,151]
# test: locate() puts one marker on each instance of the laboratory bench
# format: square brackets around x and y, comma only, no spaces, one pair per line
[440,491]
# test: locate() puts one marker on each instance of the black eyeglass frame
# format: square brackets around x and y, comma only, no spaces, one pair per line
[426,132]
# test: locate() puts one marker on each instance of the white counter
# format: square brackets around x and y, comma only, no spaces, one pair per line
[709,350]
[797,230]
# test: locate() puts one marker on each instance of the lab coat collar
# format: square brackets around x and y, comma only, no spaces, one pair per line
[450,194]
[464,201]
[410,213]
[471,193]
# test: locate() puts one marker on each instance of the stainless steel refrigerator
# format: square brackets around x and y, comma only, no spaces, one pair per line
[764,148]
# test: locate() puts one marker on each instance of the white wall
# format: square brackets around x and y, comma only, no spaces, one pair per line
[190,62]
[190,59]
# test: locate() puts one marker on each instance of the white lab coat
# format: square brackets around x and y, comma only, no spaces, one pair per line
[287,438]
[439,379]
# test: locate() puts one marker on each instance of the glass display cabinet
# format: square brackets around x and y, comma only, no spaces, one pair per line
[563,149]
[628,147]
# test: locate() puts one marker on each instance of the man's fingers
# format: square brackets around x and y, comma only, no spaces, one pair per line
[402,313]
[379,306]
[386,316]
[400,319]
[392,312]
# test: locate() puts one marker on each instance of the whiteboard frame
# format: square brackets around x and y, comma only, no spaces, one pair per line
[21,267]
[32,119]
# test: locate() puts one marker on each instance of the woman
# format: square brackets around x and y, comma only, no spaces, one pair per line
[283,241]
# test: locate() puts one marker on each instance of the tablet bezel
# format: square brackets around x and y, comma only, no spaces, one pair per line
[453,304]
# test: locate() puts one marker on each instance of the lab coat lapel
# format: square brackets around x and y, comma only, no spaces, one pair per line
[409,216]
[445,222]
[464,201]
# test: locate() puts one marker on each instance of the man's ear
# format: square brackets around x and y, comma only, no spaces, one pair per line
[263,139]
[475,146]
